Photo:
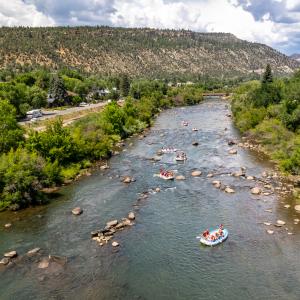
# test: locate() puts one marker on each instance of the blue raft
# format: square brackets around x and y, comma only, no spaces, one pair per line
[220,240]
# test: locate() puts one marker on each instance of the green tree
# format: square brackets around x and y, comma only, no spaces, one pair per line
[267,76]
[11,134]
[57,91]
[124,85]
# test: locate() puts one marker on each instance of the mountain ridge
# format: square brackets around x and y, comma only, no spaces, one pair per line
[139,51]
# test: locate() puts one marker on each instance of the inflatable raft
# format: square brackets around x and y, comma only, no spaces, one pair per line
[170,177]
[208,242]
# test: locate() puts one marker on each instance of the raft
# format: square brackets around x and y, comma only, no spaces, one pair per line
[216,242]
[166,177]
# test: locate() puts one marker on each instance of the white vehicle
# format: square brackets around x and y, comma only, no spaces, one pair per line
[35,113]
[83,104]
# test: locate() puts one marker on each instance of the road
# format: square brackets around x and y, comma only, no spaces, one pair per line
[49,114]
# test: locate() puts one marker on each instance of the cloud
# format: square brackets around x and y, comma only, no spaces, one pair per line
[76,12]
[18,13]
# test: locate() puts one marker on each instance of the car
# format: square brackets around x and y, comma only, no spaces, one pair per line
[83,104]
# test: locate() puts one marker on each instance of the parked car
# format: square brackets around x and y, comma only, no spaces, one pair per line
[83,104]
[35,113]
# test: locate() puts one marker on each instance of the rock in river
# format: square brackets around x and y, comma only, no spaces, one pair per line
[232,151]
[4,261]
[8,225]
[280,222]
[77,211]
[255,191]
[195,143]
[128,179]
[297,207]
[196,173]
[229,190]
[33,251]
[216,184]
[180,177]
[11,254]
[111,223]
[131,216]
[115,244]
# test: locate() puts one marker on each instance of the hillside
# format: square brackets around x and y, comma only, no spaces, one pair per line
[295,56]
[147,52]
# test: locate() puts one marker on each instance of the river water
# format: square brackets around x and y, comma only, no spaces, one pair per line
[159,257]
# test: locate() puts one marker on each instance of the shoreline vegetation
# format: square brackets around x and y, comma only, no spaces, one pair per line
[32,166]
[267,113]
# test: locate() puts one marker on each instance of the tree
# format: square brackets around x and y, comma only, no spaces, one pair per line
[11,134]
[57,90]
[124,85]
[268,76]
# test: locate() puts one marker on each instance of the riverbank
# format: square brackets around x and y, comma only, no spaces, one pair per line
[61,154]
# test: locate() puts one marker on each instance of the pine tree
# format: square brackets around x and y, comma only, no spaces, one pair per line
[124,85]
[268,76]
[57,91]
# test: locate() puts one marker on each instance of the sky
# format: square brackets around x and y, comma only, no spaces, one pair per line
[272,22]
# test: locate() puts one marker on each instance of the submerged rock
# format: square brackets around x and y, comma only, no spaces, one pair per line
[77,211]
[8,225]
[180,177]
[44,263]
[210,175]
[127,179]
[195,143]
[250,178]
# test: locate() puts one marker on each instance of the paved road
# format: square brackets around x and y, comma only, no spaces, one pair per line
[49,114]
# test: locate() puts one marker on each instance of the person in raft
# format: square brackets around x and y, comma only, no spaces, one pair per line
[205,233]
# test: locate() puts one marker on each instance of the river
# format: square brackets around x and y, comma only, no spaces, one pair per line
[159,257]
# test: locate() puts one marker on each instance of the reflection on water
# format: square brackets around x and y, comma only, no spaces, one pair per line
[160,258]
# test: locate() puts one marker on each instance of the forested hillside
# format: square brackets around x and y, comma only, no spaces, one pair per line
[138,52]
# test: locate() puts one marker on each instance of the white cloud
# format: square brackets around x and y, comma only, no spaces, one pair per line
[17,13]
[210,15]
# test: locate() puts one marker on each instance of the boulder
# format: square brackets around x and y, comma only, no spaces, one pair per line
[196,173]
[119,226]
[195,143]
[111,223]
[238,174]
[232,151]
[126,222]
[115,244]
[11,254]
[127,179]
[33,251]
[104,167]
[267,223]
[270,231]
[210,175]
[231,142]
[280,222]
[180,177]
[297,208]
[157,190]
[229,190]
[4,261]
[131,216]
[216,184]
[8,225]
[77,211]
[255,191]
